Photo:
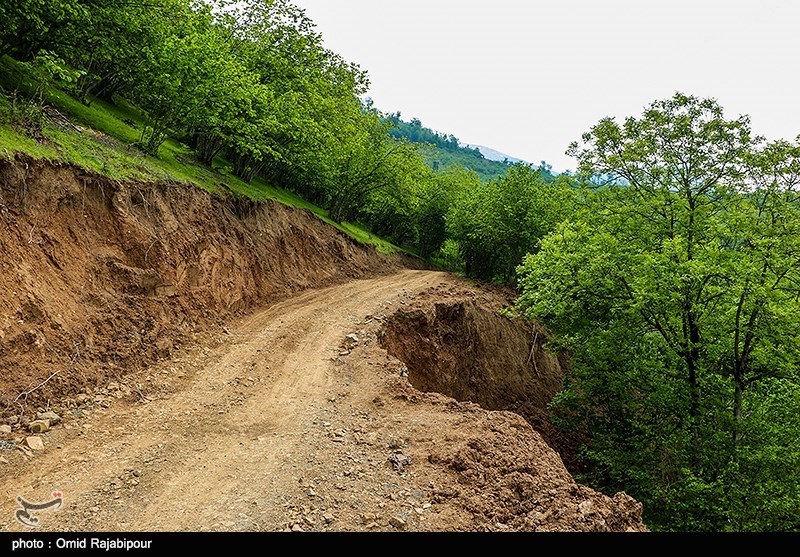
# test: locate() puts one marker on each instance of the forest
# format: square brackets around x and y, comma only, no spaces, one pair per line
[667,264]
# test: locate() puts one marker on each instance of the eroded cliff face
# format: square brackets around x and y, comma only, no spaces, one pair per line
[462,349]
[504,465]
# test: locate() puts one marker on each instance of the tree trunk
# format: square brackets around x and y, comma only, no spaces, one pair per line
[692,359]
[245,167]
[207,147]
[738,398]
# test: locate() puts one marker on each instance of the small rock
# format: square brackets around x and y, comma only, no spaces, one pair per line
[328,518]
[397,522]
[372,525]
[39,426]
[13,420]
[351,339]
[297,528]
[399,461]
[586,507]
[3,460]
[311,493]
[35,443]
[310,521]
[5,429]
[396,443]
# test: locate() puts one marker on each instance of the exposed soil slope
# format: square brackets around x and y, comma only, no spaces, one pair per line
[179,414]
[97,277]
[456,342]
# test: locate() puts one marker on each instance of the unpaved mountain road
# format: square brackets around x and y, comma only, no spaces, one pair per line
[210,454]
[279,422]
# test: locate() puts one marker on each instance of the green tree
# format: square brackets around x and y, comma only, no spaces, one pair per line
[367,160]
[499,222]
[436,197]
[676,290]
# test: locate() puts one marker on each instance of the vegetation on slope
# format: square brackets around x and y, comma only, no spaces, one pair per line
[443,150]
[678,296]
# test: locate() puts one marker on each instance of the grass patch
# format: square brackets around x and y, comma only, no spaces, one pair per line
[102,140]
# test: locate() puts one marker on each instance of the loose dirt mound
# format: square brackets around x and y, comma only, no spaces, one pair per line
[100,277]
[455,342]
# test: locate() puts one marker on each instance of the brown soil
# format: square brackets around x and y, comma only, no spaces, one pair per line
[455,341]
[180,412]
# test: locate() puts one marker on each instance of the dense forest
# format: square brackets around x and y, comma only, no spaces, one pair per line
[668,264]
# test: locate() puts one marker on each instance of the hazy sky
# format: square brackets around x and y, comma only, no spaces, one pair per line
[528,77]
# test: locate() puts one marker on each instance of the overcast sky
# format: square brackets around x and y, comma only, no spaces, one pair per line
[528,77]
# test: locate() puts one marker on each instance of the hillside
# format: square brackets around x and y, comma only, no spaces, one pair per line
[442,150]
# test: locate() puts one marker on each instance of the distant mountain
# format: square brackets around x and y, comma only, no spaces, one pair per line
[494,155]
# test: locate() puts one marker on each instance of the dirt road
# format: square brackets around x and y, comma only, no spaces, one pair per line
[207,455]
[281,422]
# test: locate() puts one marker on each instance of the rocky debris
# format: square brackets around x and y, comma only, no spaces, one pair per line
[51,417]
[13,420]
[39,426]
[3,460]
[399,461]
[351,340]
[586,507]
[328,518]
[398,523]
[297,528]
[5,429]
[7,446]
[35,443]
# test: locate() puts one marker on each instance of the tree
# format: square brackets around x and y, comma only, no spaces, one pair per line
[436,197]
[366,160]
[497,223]
[676,290]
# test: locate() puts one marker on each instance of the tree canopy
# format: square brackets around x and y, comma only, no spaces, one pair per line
[676,291]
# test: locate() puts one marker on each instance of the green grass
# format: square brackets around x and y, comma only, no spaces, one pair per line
[104,143]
